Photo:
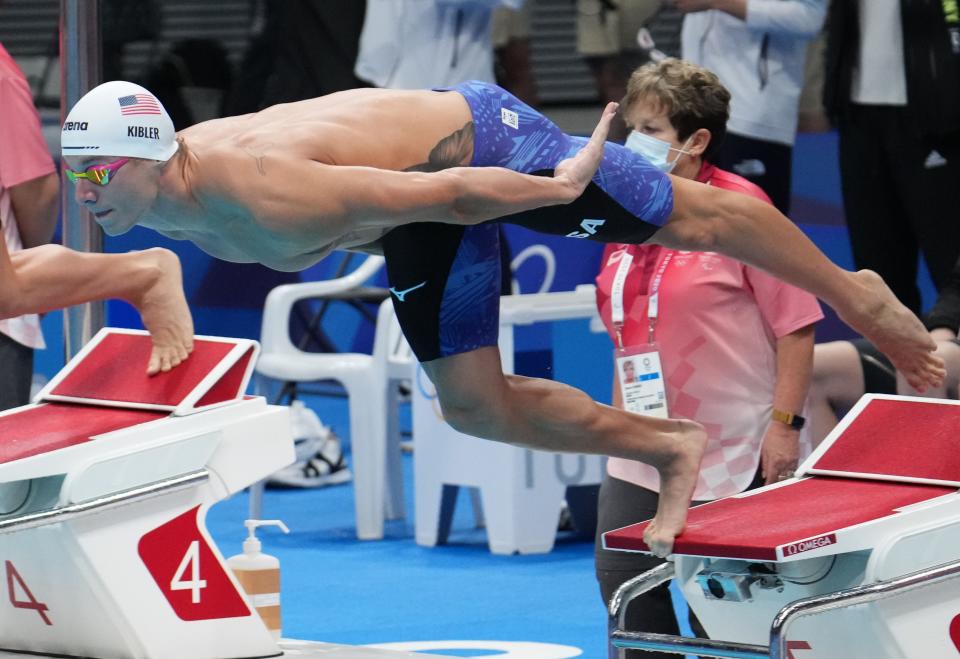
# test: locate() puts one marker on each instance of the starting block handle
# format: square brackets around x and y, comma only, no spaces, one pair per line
[853,596]
[787,615]
[633,588]
[642,583]
[704,647]
[125,497]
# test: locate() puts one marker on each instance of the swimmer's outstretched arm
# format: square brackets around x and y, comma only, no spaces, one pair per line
[50,277]
[291,195]
[706,218]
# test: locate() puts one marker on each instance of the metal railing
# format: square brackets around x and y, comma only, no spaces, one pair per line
[101,504]
[649,580]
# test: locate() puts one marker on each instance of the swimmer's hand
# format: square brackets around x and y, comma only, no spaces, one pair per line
[163,308]
[577,172]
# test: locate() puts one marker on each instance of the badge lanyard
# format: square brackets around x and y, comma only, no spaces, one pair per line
[616,296]
[639,370]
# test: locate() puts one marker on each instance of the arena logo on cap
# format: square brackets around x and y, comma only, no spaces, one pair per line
[75,125]
[146,132]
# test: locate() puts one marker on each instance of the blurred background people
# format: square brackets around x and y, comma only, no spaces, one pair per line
[412,44]
[513,66]
[735,345]
[892,88]
[758,49]
[607,41]
[29,206]
[302,49]
[811,115]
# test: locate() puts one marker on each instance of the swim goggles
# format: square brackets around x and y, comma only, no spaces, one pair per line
[97,174]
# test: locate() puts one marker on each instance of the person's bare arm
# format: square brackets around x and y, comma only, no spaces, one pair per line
[51,277]
[706,218]
[35,204]
[781,444]
[292,193]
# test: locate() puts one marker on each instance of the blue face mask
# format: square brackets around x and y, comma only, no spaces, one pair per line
[655,150]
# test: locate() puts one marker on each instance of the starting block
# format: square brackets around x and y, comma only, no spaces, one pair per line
[105,483]
[857,556]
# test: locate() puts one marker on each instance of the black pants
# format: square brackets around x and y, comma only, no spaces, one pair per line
[767,164]
[621,504]
[901,196]
[16,373]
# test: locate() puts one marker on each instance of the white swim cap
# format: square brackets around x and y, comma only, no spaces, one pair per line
[118,118]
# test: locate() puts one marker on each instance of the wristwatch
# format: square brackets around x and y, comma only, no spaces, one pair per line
[795,421]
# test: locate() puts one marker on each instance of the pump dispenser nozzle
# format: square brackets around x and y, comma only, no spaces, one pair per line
[252,544]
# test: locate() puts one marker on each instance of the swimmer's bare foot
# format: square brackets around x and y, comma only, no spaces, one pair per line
[895,331]
[678,478]
[163,308]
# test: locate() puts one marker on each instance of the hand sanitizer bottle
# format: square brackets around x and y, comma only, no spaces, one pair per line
[259,574]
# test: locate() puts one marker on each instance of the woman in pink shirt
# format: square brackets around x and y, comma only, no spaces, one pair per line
[701,336]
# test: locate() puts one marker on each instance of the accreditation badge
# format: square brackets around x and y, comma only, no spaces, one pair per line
[640,375]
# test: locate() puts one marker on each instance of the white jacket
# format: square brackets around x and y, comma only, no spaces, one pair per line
[760,60]
[416,44]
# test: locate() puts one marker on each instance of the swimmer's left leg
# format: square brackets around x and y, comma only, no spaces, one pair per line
[477,398]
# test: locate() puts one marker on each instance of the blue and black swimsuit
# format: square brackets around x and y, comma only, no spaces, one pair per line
[445,278]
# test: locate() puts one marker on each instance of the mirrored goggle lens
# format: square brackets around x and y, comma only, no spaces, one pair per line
[97,175]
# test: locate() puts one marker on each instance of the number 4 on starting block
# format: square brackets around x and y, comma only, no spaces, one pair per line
[15,581]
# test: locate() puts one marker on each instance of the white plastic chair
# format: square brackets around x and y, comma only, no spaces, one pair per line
[372,386]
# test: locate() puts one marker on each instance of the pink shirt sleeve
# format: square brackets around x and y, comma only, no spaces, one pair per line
[786,308]
[23,151]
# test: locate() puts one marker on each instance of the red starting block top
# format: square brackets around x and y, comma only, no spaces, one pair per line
[888,452]
[42,428]
[111,370]
[754,526]
[898,439]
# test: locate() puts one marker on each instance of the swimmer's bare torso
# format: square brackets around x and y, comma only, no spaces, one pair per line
[276,187]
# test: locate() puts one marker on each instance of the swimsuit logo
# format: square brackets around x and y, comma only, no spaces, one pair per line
[403,294]
[151,133]
[807,545]
[510,118]
[75,125]
[934,159]
[589,227]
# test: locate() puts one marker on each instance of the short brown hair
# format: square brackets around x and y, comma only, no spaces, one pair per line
[692,97]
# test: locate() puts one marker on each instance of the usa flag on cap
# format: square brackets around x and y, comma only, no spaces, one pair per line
[138,104]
